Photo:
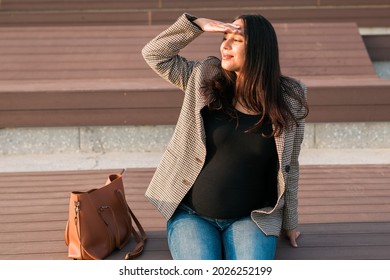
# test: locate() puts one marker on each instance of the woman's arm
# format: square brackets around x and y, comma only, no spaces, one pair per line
[162,53]
[290,216]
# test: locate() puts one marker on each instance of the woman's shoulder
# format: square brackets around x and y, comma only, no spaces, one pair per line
[292,86]
[210,65]
[295,95]
[212,61]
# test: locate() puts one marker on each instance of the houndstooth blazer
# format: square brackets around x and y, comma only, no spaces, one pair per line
[185,154]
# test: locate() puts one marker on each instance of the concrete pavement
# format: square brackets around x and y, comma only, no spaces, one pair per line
[114,160]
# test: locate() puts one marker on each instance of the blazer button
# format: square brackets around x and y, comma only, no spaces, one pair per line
[287,168]
[185,182]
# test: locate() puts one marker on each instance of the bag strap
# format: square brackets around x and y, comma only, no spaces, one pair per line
[139,247]
[140,237]
[102,210]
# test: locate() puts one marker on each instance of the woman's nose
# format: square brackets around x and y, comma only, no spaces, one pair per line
[226,44]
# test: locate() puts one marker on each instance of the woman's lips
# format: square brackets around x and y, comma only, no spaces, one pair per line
[225,56]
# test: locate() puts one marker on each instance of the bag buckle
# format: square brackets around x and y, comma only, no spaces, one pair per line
[76,207]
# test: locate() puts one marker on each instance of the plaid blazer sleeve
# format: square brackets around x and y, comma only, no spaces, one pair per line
[290,212]
[162,53]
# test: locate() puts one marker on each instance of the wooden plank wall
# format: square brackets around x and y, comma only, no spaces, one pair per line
[114,52]
[343,211]
[80,75]
[59,12]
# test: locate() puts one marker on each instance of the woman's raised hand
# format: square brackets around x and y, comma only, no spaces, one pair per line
[210,25]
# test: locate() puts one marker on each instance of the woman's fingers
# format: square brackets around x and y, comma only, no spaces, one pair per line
[293,238]
[225,27]
[232,28]
[210,25]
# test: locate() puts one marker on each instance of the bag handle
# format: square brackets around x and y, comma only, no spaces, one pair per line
[139,247]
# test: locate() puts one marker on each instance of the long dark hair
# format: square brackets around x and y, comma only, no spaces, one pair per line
[260,87]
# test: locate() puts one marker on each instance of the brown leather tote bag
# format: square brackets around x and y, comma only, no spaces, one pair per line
[100,221]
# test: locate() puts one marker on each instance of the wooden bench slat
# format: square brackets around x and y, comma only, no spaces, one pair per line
[347,193]
[144,116]
[365,15]
[334,240]
[13,209]
[333,216]
[344,209]
[149,224]
[306,14]
[307,35]
[31,247]
[136,186]
[337,253]
[345,182]
[344,113]
[349,113]
[169,4]
[343,218]
[308,214]
[358,228]
[345,171]
[119,64]
[33,236]
[77,4]
[340,201]
[146,73]
[353,2]
[35,256]
[136,34]
[13,53]
[45,215]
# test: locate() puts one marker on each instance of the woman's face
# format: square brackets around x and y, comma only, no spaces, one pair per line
[233,49]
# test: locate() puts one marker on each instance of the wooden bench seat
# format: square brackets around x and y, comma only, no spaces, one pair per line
[95,75]
[343,212]
[95,12]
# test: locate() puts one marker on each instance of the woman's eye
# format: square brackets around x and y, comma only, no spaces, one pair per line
[232,39]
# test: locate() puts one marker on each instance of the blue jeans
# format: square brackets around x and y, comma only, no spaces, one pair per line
[195,237]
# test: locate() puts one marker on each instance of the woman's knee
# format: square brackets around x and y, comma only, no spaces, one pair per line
[244,240]
[191,237]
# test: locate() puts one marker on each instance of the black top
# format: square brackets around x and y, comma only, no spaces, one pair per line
[240,172]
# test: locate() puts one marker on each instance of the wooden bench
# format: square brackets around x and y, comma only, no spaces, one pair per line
[344,213]
[95,75]
[62,12]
